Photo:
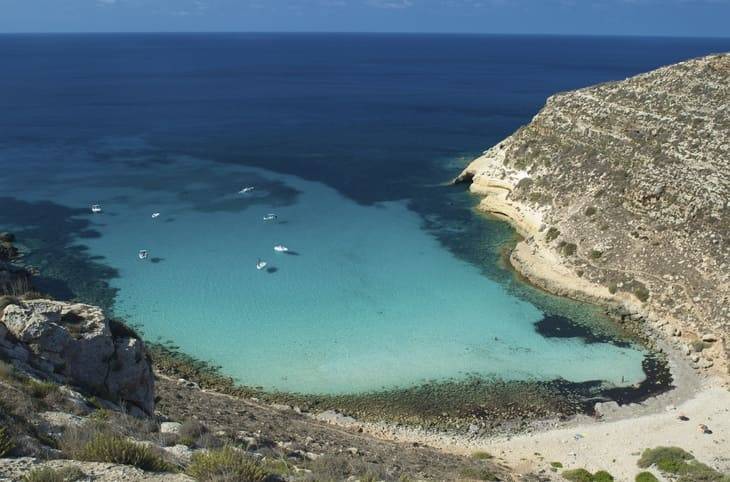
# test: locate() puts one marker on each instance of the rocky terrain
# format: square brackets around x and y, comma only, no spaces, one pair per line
[622,194]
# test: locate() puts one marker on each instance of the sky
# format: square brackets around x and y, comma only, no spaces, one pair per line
[694,18]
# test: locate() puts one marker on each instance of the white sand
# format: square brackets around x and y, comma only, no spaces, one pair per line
[616,446]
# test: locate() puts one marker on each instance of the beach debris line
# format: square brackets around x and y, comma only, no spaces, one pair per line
[142,254]
[261,264]
[96,208]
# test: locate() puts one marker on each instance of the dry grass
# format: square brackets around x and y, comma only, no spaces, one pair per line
[226,464]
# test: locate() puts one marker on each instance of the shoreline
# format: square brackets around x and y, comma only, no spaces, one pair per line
[614,440]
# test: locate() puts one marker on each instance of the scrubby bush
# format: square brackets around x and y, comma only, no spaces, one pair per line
[664,457]
[602,476]
[477,474]
[226,464]
[552,234]
[568,249]
[595,254]
[679,463]
[582,475]
[191,431]
[47,474]
[590,211]
[482,455]
[578,475]
[556,465]
[642,293]
[7,371]
[6,442]
[646,477]
[39,389]
[111,448]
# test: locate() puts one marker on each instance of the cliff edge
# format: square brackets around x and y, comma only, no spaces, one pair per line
[622,193]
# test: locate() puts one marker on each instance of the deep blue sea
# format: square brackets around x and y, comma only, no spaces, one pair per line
[391,279]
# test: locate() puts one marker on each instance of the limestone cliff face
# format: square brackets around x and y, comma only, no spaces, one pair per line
[625,186]
[76,344]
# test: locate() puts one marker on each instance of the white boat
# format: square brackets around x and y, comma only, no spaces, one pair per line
[280,248]
[143,254]
[155,215]
[260,264]
[270,217]
[246,190]
[96,208]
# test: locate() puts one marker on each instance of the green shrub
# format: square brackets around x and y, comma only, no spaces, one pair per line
[602,476]
[552,234]
[7,371]
[556,465]
[568,249]
[646,477]
[668,457]
[677,462]
[225,464]
[38,389]
[191,431]
[477,474]
[612,288]
[595,254]
[641,292]
[482,455]
[114,449]
[47,474]
[6,442]
[578,475]
[590,211]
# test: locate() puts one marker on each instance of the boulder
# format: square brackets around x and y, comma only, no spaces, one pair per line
[170,427]
[75,342]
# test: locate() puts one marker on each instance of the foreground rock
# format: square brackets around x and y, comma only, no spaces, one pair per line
[15,469]
[622,192]
[76,344]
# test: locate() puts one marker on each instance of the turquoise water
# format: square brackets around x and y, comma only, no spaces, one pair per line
[366,300]
[349,139]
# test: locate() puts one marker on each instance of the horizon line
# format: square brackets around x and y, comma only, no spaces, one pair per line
[313,32]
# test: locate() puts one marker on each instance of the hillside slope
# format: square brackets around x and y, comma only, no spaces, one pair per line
[622,191]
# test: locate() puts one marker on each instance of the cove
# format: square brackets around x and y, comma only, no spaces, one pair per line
[366,300]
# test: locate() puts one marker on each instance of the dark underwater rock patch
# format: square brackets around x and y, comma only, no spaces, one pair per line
[557,326]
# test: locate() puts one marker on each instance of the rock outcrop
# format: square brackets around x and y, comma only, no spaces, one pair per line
[76,344]
[14,279]
[622,192]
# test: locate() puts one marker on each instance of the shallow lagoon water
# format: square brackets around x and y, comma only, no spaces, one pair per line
[349,139]
[366,299]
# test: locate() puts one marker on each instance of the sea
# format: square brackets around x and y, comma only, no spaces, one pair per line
[391,279]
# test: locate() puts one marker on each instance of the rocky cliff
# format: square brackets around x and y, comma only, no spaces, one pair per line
[75,344]
[622,192]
